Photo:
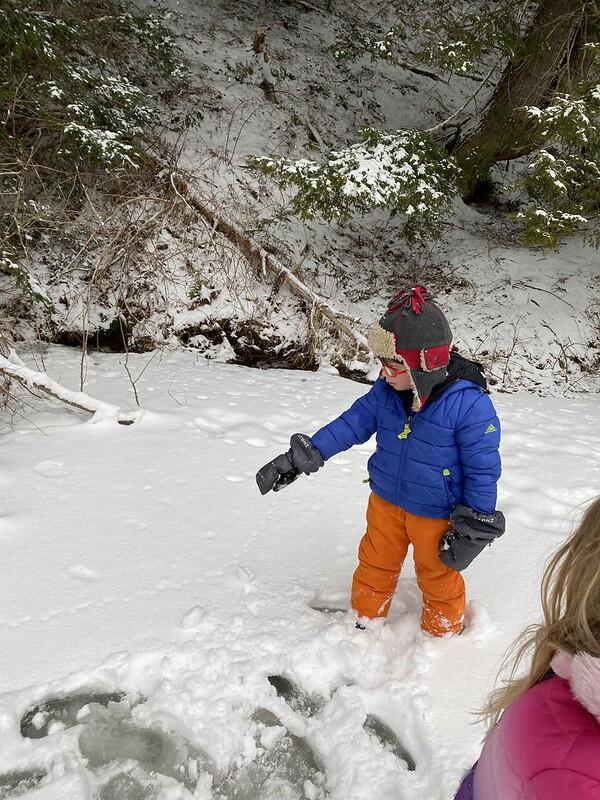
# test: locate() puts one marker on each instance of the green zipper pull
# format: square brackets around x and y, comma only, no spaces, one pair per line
[405,432]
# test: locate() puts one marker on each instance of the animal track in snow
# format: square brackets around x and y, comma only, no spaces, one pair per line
[135,524]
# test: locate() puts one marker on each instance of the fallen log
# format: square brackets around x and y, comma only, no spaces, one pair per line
[264,260]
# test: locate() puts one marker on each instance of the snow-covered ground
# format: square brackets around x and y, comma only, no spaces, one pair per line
[142,559]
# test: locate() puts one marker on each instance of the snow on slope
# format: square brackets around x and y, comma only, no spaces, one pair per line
[142,559]
[532,317]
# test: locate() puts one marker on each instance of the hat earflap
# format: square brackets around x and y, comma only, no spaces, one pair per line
[381,342]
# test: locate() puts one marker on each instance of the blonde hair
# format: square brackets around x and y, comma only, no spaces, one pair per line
[570,613]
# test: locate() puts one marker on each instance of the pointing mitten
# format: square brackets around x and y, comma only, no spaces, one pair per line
[302,457]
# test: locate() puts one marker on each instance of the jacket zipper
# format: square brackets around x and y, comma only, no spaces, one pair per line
[402,436]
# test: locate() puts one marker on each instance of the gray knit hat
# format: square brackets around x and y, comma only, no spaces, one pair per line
[414,331]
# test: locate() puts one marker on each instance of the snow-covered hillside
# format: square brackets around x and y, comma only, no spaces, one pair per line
[142,560]
[532,317]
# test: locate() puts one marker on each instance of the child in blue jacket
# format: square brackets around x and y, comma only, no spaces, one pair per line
[434,472]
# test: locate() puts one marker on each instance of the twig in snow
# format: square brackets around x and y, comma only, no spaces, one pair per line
[540,289]
[511,351]
[133,381]
[309,6]
[467,101]
[315,133]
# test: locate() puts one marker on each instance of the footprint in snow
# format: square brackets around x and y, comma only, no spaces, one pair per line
[136,524]
[256,442]
[64,712]
[82,573]
[51,469]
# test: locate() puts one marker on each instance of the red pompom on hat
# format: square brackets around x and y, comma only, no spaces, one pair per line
[414,331]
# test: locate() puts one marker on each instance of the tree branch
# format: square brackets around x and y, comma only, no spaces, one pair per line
[14,368]
[263,260]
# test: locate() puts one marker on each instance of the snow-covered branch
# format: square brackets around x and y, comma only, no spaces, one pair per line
[14,369]
[404,172]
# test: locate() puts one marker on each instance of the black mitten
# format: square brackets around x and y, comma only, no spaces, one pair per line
[470,532]
[302,457]
[276,474]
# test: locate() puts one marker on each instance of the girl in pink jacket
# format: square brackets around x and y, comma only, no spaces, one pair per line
[546,743]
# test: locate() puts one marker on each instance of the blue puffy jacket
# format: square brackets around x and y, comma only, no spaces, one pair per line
[425,462]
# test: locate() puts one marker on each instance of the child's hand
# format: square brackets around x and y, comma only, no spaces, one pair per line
[302,457]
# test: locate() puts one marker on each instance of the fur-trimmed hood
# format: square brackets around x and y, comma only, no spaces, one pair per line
[582,671]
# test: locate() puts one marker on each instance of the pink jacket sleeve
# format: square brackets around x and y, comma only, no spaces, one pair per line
[564,784]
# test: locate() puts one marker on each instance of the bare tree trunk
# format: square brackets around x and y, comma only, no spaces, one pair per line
[553,59]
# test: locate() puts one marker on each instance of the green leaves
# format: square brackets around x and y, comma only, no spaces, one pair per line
[563,178]
[451,37]
[403,172]
[72,81]
[73,75]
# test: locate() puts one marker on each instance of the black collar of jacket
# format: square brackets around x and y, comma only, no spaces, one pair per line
[460,368]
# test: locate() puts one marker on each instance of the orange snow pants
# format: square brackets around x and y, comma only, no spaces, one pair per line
[383,548]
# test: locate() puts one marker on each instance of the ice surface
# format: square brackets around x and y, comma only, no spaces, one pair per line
[300,702]
[108,736]
[293,695]
[125,787]
[18,782]
[104,740]
[284,771]
[382,731]
[36,722]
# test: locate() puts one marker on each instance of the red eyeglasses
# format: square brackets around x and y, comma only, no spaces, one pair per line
[393,372]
